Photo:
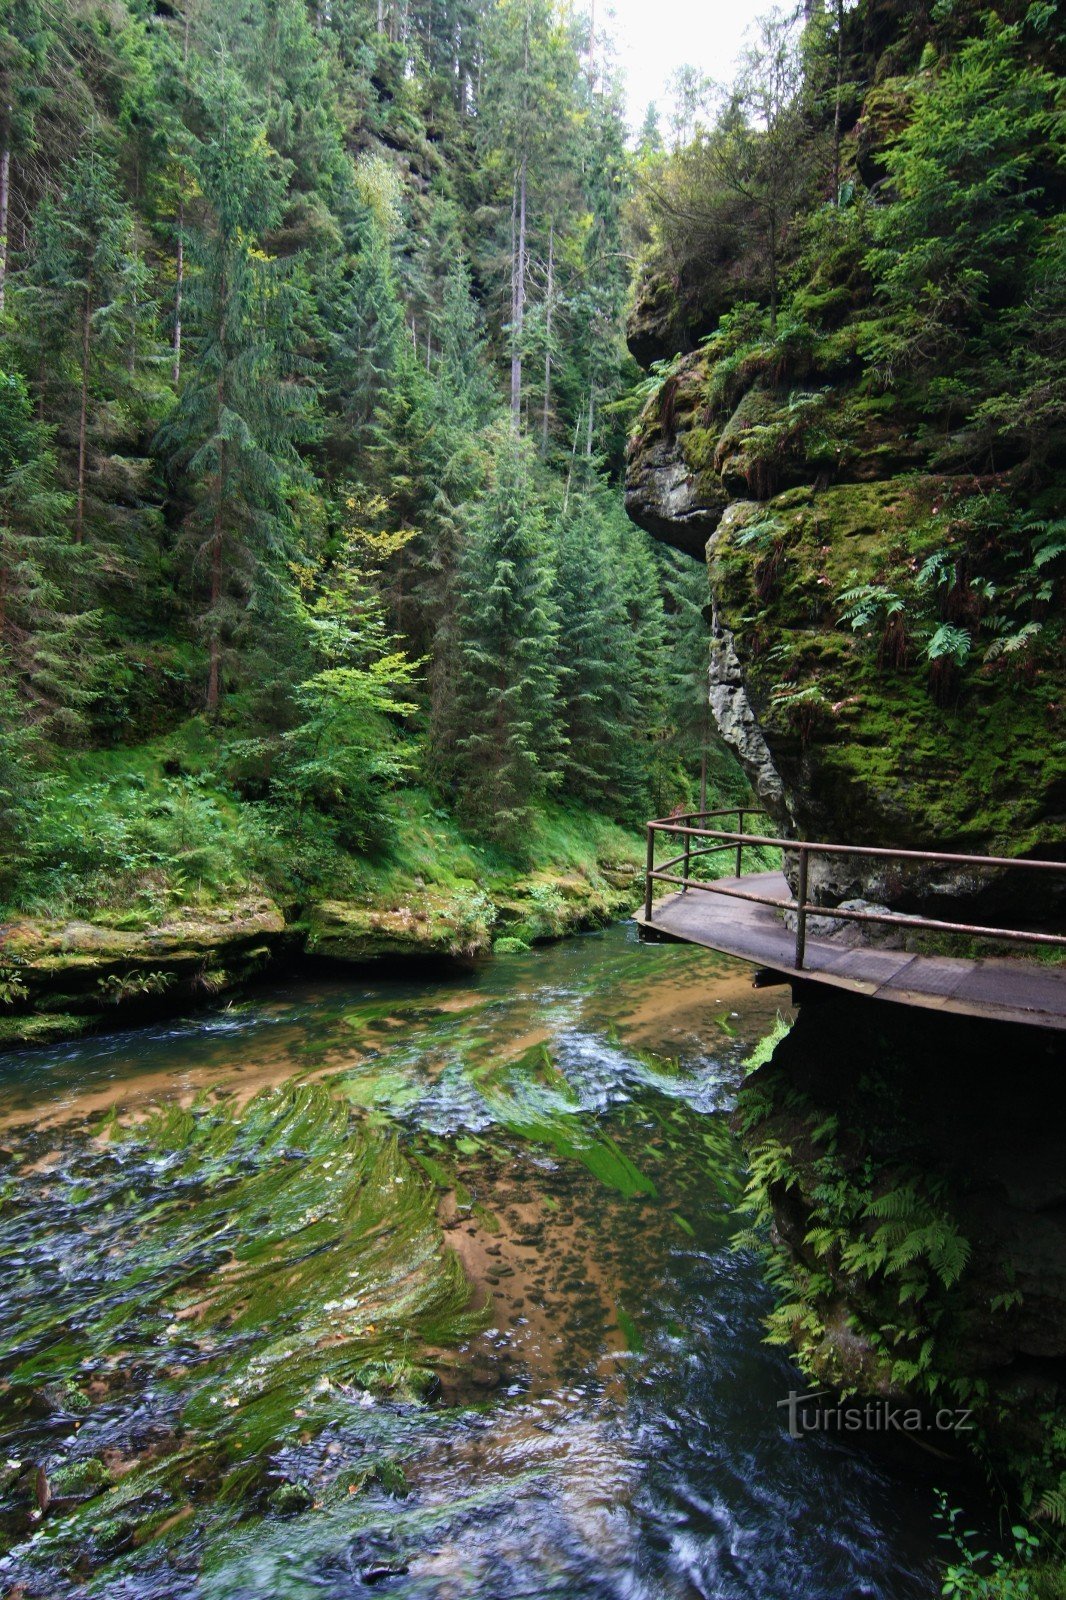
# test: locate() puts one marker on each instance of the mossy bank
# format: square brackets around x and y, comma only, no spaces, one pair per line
[159,888]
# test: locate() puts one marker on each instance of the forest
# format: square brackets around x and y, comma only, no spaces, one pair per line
[315,395]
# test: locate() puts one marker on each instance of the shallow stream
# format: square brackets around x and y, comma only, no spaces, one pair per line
[422,1289]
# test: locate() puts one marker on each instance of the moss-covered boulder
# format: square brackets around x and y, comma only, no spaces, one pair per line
[883,653]
[58,978]
[343,931]
[828,600]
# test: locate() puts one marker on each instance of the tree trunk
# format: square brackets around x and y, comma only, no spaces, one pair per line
[573,458]
[179,280]
[518,299]
[592,414]
[773,275]
[5,200]
[548,342]
[214,674]
[83,413]
[215,669]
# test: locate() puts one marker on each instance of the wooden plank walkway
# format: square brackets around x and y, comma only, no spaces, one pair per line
[1006,988]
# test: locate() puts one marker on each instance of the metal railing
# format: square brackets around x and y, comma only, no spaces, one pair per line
[687,827]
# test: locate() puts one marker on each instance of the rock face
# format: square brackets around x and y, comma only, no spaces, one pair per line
[903,1129]
[820,514]
[880,665]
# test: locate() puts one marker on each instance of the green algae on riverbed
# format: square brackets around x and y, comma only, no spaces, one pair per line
[197,1290]
[206,1292]
[219,1322]
[186,1253]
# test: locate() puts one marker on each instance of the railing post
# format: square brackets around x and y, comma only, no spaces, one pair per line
[650,868]
[687,862]
[801,911]
[740,847]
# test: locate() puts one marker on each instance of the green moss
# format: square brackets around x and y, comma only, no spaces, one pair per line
[40,1028]
[288,1499]
[976,772]
[80,1478]
[290,1257]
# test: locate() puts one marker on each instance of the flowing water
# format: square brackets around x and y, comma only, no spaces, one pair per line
[415,1288]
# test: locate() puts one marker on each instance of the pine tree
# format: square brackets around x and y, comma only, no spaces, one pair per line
[529,98]
[437,449]
[502,736]
[240,416]
[364,324]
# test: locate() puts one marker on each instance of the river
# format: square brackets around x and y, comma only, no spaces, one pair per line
[229,1265]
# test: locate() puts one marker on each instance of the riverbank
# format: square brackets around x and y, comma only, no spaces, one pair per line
[64,976]
[156,887]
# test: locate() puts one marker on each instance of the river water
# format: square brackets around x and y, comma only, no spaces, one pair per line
[207,1226]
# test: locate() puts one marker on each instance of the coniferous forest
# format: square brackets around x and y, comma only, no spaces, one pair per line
[314,409]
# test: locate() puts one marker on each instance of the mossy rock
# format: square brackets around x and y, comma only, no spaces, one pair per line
[398,1380]
[36,1028]
[342,931]
[79,1479]
[289,1499]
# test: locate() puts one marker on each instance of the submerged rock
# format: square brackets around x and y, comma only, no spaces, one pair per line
[288,1499]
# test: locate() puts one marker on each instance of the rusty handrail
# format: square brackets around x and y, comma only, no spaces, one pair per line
[805,848]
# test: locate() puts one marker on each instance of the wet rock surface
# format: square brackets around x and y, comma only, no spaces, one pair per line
[970,1114]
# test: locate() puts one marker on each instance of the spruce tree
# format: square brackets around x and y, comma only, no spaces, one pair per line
[84,333]
[365,331]
[241,413]
[599,666]
[46,649]
[503,734]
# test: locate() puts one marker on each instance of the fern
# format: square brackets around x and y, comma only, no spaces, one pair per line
[867,603]
[1015,642]
[1052,1505]
[949,644]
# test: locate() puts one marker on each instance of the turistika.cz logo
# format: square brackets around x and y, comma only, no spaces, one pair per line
[807,1414]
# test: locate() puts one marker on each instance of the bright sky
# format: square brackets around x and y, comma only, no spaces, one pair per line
[653,37]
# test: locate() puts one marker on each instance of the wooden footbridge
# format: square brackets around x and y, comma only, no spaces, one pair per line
[745,916]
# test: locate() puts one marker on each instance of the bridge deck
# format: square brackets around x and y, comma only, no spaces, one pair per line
[1008,989]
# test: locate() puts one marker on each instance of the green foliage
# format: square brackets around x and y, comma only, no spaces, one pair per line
[964,217]
[972,585]
[611,673]
[976,1574]
[887,1232]
[257,298]
[504,720]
